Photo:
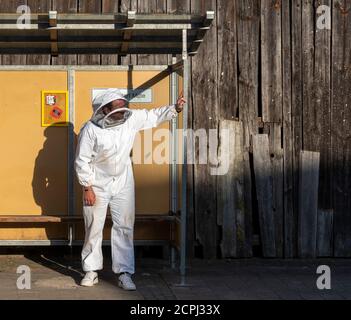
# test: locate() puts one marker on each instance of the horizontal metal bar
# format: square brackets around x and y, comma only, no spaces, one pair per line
[33,219]
[155,39]
[115,32]
[74,242]
[38,219]
[105,26]
[90,51]
[107,18]
[34,242]
[82,68]
[74,45]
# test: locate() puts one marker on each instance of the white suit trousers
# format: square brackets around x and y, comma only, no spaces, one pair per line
[119,196]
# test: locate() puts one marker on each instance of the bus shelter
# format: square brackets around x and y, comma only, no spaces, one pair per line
[44,107]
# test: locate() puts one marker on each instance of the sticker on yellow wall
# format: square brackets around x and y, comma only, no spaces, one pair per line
[54,108]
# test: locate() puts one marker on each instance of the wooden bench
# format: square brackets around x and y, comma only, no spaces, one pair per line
[74,219]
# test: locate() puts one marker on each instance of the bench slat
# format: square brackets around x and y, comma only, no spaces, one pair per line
[72,219]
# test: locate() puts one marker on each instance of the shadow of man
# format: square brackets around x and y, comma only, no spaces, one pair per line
[50,176]
[50,189]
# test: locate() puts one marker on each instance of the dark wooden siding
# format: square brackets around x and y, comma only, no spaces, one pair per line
[265,66]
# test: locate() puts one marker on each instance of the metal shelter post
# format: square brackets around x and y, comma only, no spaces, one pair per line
[174,155]
[71,174]
[184,169]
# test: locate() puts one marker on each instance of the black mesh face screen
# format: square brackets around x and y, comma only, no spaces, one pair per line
[110,122]
[106,121]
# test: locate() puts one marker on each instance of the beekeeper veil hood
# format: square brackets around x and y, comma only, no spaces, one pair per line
[101,100]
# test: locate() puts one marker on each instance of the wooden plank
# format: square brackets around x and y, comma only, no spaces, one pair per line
[325,233]
[264,191]
[289,214]
[53,33]
[88,6]
[296,108]
[242,185]
[276,155]
[248,241]
[278,187]
[271,53]
[110,6]
[308,204]
[317,95]
[341,124]
[64,6]
[38,219]
[227,98]
[39,6]
[323,93]
[231,210]
[226,209]
[127,36]
[10,6]
[205,115]
[125,6]
[308,54]
[248,28]
[227,60]
[227,200]
[131,59]
[178,7]
[73,219]
[152,6]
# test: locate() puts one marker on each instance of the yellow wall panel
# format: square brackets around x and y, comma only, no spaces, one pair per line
[33,167]
[33,232]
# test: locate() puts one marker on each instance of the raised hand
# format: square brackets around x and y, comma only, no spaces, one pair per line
[180,103]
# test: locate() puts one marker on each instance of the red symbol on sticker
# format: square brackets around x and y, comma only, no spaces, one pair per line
[56,112]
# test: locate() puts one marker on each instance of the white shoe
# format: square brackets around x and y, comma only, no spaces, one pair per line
[125,282]
[89,279]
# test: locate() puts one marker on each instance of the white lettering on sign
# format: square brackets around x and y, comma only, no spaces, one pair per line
[134,96]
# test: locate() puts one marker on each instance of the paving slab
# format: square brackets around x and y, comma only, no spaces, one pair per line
[57,278]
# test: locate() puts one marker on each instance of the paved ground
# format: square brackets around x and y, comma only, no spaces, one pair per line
[58,278]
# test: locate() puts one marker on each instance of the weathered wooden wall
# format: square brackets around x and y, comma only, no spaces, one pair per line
[283,88]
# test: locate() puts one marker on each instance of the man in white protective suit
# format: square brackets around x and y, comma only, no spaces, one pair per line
[104,170]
